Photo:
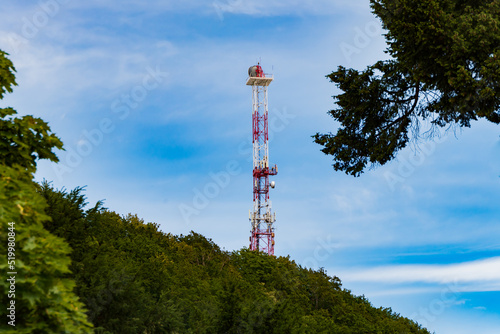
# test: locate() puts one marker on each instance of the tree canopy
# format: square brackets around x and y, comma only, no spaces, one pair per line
[134,278]
[444,68]
[25,139]
[39,292]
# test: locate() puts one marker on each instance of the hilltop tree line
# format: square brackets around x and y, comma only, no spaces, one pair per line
[134,278]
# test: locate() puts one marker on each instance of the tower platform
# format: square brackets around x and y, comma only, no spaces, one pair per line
[259,81]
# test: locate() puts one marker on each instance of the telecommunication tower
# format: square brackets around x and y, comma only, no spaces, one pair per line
[262,218]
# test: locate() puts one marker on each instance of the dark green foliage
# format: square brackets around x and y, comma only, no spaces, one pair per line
[44,299]
[42,294]
[445,69]
[7,77]
[25,139]
[134,278]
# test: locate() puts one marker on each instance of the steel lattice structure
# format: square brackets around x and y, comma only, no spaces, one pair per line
[262,218]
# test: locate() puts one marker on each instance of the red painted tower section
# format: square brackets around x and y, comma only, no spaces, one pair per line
[262,219]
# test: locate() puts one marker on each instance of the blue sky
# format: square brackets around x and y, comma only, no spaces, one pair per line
[151,103]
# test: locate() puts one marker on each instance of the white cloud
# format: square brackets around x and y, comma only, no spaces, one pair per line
[485,271]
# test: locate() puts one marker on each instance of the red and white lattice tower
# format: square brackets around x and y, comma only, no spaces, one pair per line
[262,218]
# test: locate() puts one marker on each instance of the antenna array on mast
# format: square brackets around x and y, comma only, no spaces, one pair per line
[261,218]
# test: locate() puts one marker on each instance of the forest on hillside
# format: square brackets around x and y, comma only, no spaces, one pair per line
[134,278]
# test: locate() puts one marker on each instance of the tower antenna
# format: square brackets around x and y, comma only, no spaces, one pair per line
[261,218]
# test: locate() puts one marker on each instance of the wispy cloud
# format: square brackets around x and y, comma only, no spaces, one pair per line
[293,7]
[253,8]
[484,271]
